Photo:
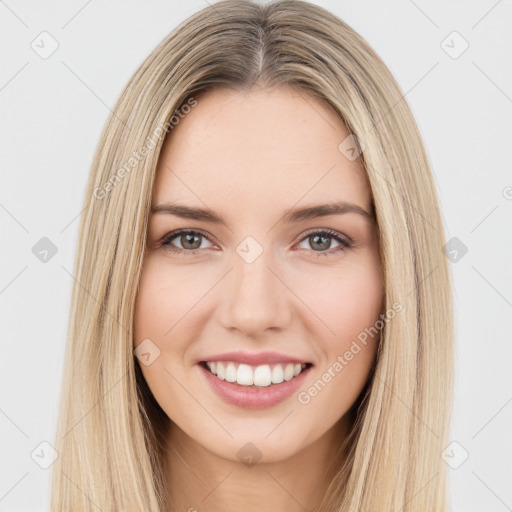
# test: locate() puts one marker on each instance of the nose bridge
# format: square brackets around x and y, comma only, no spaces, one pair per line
[254,299]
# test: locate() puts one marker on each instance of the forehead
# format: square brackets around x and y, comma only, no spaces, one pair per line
[272,145]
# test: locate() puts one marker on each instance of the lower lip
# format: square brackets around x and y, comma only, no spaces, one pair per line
[248,397]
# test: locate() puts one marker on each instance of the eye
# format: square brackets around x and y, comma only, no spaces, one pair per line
[321,240]
[189,239]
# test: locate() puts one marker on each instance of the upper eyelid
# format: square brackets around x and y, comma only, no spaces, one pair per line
[329,231]
[173,234]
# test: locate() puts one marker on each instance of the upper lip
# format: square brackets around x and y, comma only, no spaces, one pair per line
[255,359]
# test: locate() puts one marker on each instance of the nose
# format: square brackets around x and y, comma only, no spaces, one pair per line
[254,298]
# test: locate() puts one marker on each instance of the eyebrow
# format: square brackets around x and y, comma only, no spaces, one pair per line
[290,215]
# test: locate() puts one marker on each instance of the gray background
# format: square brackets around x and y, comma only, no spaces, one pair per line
[52,112]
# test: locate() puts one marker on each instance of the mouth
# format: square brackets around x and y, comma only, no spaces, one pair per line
[261,376]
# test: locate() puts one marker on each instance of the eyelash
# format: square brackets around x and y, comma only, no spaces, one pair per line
[344,243]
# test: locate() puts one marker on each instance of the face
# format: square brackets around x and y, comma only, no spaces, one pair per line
[261,294]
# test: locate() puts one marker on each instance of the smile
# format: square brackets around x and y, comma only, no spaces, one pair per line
[256,376]
[256,389]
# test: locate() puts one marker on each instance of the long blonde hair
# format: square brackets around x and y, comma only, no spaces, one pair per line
[110,430]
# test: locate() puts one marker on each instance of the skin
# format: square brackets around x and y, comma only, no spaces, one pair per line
[248,157]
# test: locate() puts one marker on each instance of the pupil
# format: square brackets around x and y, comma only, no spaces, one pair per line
[324,245]
[189,238]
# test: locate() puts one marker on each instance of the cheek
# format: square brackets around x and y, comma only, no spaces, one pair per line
[157,315]
[163,298]
[349,300]
[150,305]
[349,305]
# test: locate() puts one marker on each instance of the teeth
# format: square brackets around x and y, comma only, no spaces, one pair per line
[262,375]
[246,375]
[288,372]
[221,372]
[277,374]
[231,373]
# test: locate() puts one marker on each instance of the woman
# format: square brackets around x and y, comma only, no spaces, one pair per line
[262,316]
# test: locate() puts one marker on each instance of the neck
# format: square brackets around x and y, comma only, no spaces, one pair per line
[201,480]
